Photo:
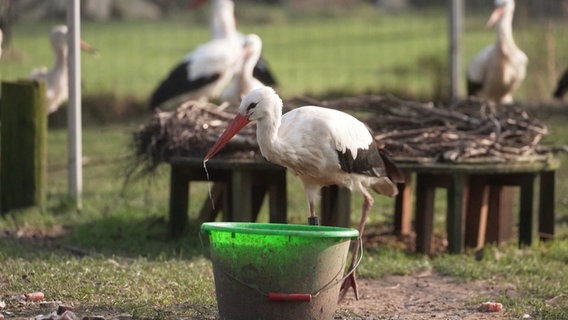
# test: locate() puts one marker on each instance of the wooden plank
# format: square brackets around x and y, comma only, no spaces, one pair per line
[527,219]
[179,200]
[500,215]
[214,202]
[241,196]
[259,190]
[424,213]
[546,211]
[278,197]
[335,206]
[457,198]
[477,210]
[23,181]
[546,164]
[403,207]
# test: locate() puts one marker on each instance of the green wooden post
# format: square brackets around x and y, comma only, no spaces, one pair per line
[23,151]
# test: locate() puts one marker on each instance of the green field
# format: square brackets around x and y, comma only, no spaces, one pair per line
[355,51]
[115,255]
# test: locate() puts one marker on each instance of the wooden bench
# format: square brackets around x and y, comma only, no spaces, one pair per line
[478,203]
[471,212]
[239,189]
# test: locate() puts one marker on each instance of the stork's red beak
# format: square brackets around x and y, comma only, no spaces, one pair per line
[85,46]
[234,127]
[495,16]
[196,3]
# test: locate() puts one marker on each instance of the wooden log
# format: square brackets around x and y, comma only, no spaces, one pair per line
[24,145]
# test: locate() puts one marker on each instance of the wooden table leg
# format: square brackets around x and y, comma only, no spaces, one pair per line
[213,204]
[240,195]
[278,198]
[546,213]
[257,194]
[527,218]
[477,210]
[457,198]
[424,212]
[500,214]
[335,206]
[403,207]
[179,200]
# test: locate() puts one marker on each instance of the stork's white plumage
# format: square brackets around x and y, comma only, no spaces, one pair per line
[499,69]
[243,81]
[321,146]
[56,78]
[204,72]
[223,11]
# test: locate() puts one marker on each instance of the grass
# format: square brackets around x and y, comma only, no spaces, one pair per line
[358,50]
[115,256]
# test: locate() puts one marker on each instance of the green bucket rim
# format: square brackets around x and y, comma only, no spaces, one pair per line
[281,229]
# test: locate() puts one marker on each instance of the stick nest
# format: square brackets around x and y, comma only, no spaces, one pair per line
[470,130]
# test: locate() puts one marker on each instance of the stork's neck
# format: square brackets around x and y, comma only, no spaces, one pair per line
[246,77]
[267,136]
[60,58]
[223,19]
[505,39]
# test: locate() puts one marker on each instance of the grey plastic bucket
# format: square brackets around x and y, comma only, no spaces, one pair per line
[277,271]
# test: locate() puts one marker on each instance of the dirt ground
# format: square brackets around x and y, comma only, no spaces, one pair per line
[425,296]
[419,297]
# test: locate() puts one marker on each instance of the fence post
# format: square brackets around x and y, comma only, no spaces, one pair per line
[455,36]
[23,145]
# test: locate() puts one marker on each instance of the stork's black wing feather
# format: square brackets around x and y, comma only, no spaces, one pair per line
[263,74]
[562,86]
[473,87]
[177,83]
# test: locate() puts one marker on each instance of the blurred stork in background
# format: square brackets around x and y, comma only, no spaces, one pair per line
[206,71]
[221,10]
[499,69]
[562,85]
[1,41]
[243,80]
[56,78]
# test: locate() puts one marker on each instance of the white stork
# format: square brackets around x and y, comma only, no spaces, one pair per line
[500,68]
[562,85]
[56,78]
[204,72]
[221,10]
[243,81]
[321,146]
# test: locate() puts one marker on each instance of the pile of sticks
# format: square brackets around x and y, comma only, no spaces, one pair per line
[189,131]
[468,131]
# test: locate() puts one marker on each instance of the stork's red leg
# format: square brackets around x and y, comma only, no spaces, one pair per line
[313,218]
[350,281]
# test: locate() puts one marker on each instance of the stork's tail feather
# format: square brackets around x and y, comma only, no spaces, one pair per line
[393,172]
[385,187]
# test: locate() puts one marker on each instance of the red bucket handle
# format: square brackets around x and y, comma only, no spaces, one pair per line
[293,297]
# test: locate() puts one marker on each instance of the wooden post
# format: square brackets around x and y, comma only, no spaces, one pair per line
[455,35]
[23,165]
[335,206]
[74,126]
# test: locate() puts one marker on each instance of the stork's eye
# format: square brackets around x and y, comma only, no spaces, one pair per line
[252,105]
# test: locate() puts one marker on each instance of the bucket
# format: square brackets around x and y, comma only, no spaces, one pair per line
[275,271]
